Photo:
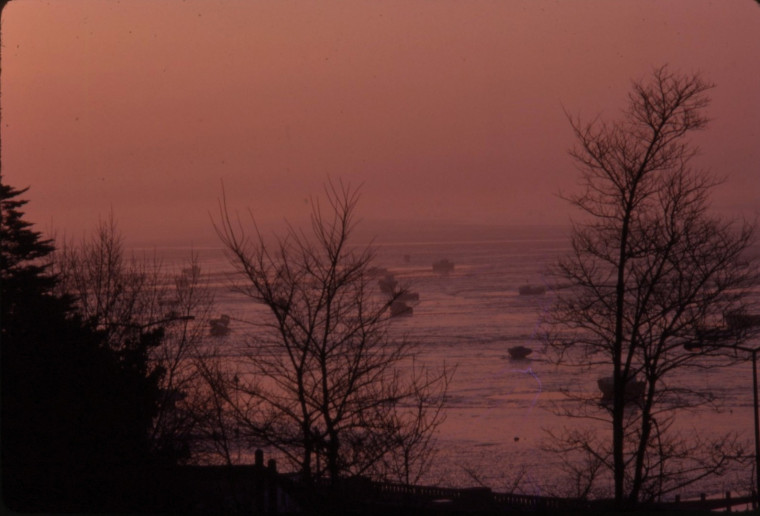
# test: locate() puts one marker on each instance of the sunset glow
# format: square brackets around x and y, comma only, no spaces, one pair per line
[442,110]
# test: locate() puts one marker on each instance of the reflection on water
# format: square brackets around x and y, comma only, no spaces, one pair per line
[498,406]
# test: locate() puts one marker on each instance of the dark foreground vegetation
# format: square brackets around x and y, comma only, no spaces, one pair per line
[113,402]
[80,406]
[75,413]
[109,405]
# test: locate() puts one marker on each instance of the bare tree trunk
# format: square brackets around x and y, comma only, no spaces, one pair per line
[331,380]
[618,382]
[651,268]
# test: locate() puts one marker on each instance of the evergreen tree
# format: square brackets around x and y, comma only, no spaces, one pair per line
[21,271]
[75,413]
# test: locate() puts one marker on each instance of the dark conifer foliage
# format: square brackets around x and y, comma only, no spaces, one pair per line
[22,250]
[75,413]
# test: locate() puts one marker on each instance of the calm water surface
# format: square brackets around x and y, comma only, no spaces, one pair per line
[499,407]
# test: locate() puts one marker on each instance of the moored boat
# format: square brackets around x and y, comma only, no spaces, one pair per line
[400,309]
[408,297]
[531,290]
[741,320]
[443,266]
[387,284]
[634,389]
[519,352]
[220,327]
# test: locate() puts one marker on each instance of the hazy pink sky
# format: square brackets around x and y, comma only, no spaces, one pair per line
[442,109]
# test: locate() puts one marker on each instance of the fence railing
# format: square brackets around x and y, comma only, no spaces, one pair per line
[726,502]
[463,498]
[479,497]
[272,492]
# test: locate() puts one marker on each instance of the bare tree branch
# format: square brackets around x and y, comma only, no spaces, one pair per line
[329,381]
[651,269]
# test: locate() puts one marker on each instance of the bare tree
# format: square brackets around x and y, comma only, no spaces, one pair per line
[650,270]
[183,409]
[119,295]
[144,310]
[321,380]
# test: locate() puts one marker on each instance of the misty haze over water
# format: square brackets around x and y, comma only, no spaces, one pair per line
[498,407]
[378,231]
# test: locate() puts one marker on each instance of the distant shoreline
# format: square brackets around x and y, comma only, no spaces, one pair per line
[390,232]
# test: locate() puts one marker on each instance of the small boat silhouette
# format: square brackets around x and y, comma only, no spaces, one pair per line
[220,327]
[387,284]
[531,290]
[519,352]
[401,309]
[443,266]
[634,389]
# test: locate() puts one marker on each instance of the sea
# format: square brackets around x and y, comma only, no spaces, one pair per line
[500,411]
